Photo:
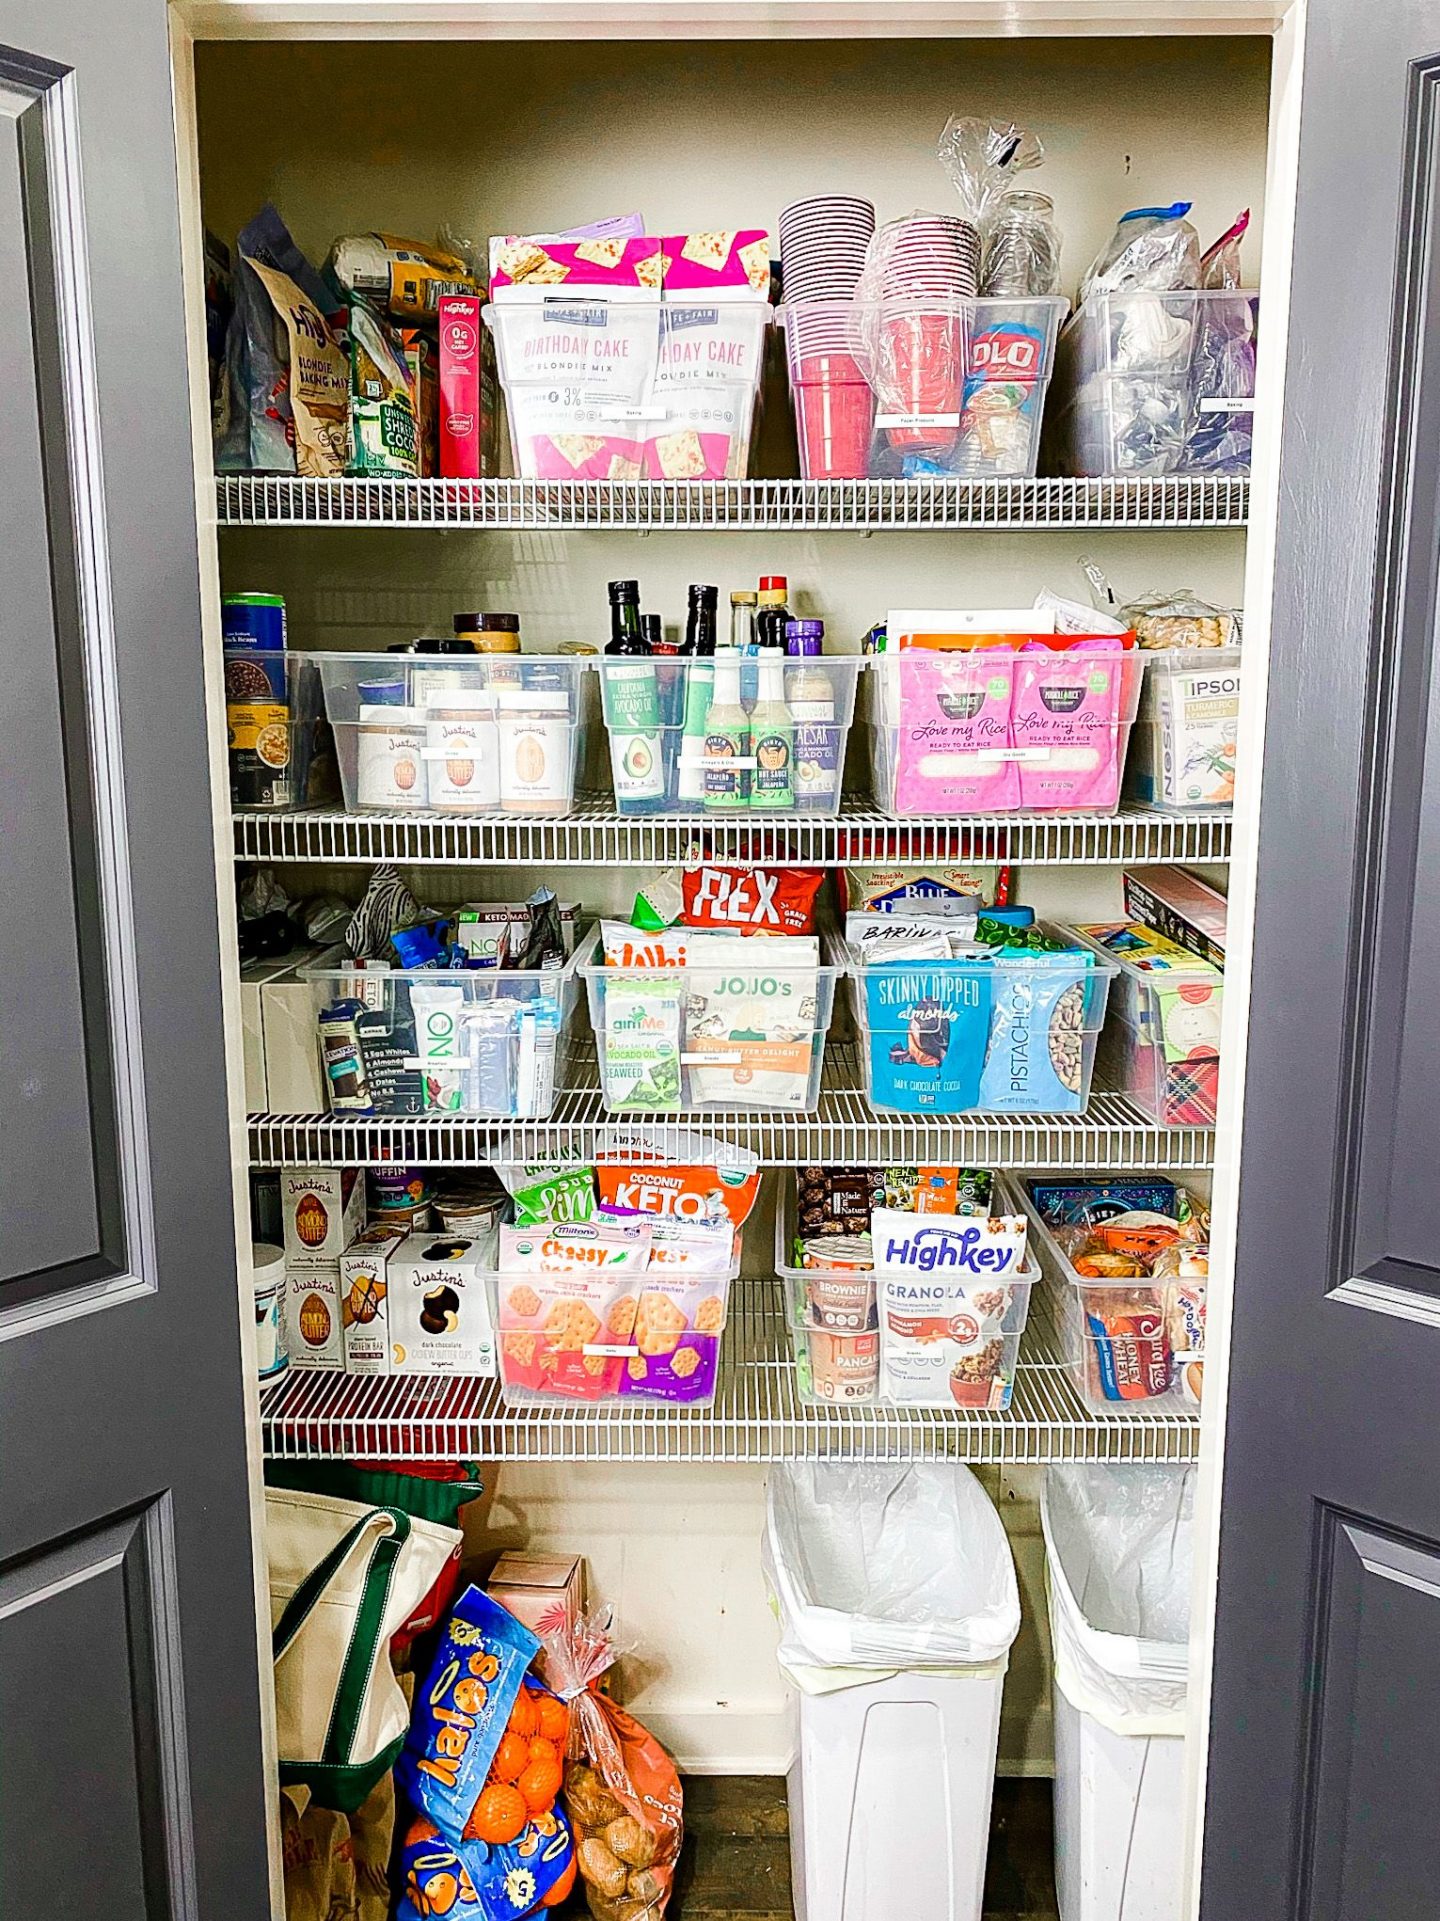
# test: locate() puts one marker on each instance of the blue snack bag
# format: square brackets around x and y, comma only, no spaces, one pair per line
[480,1882]
[1034,1063]
[461,1712]
[927,1030]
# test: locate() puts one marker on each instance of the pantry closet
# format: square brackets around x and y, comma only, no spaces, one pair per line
[525,117]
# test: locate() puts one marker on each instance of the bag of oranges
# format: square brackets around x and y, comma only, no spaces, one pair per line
[483,1767]
[622,1792]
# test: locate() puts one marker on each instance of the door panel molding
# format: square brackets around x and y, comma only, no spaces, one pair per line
[46,129]
[1372,1693]
[117,1582]
[1387,1234]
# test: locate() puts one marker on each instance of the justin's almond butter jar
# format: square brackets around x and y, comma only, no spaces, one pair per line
[537,774]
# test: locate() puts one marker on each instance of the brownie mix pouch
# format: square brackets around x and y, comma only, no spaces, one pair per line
[622,1791]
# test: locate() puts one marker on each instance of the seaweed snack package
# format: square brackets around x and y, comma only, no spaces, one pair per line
[461,1712]
[622,1792]
[550,1193]
[750,900]
[708,1179]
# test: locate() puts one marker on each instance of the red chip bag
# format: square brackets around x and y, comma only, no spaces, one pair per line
[622,1792]
[754,900]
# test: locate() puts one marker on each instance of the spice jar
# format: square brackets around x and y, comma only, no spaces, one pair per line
[536,751]
[390,768]
[462,751]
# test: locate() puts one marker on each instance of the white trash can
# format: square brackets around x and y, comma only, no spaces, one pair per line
[897,1601]
[1118,1566]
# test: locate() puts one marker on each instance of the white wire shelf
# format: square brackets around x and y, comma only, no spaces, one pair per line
[643,505]
[1112,1135]
[757,1415]
[595,835]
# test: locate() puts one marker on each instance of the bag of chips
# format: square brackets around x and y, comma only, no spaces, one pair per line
[622,1791]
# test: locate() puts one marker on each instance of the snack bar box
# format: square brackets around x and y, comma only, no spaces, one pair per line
[1161,1043]
[1015,1034]
[1135,1345]
[419,1042]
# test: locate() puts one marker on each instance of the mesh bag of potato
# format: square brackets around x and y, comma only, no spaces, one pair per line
[622,1792]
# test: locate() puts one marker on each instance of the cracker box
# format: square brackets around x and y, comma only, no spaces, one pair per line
[365,1298]
[323,1209]
[310,1318]
[544,1591]
[439,1311]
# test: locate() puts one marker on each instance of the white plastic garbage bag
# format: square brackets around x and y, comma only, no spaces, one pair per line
[1118,1546]
[878,1569]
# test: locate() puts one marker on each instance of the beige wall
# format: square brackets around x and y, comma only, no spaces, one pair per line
[484,137]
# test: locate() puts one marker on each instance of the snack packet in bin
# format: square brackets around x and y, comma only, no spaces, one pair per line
[622,1792]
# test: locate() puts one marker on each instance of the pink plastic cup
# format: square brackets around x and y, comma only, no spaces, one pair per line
[834,416]
[924,364]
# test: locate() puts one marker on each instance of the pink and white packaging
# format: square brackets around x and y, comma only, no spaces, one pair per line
[952,753]
[462,400]
[578,375]
[707,374]
[728,265]
[541,266]
[1067,720]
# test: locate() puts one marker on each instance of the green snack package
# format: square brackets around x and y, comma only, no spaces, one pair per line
[567,1194]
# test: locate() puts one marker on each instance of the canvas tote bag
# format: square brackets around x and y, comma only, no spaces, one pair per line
[343,1579]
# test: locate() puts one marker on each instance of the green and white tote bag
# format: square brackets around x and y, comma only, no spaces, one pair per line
[343,1579]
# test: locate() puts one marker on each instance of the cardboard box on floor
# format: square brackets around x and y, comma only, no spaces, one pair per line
[545,1591]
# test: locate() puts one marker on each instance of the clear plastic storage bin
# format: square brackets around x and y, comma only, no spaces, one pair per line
[675,748]
[423,1042]
[744,1028]
[1161,1044]
[1014,1034]
[902,388]
[455,733]
[1134,1345]
[838,1336]
[1186,730]
[601,388]
[998,730]
[1155,383]
[273,717]
[611,1336]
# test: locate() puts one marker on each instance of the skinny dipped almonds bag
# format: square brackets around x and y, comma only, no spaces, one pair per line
[622,1792]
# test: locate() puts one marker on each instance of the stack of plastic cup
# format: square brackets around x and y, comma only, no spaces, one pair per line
[929,266]
[823,246]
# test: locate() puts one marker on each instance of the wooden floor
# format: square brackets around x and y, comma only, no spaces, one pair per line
[736,1861]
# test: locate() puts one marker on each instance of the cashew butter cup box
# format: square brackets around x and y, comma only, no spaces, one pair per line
[311,1317]
[323,1209]
[365,1297]
[439,1313]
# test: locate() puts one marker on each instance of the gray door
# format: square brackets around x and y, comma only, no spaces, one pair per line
[131,1779]
[1325,1733]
